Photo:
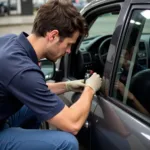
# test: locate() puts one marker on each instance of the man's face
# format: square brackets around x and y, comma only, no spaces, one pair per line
[127,58]
[59,48]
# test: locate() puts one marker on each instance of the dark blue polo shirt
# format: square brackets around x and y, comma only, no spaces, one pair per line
[22,82]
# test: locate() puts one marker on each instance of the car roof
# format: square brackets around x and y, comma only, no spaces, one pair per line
[104,1]
[95,3]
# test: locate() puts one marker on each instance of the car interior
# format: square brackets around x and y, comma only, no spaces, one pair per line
[92,52]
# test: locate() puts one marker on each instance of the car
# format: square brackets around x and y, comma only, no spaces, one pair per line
[47,67]
[118,49]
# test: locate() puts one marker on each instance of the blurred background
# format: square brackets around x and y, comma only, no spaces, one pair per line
[18,15]
[27,7]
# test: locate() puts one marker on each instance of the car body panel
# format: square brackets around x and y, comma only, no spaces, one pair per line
[114,128]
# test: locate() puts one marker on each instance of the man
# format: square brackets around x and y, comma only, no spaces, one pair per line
[25,98]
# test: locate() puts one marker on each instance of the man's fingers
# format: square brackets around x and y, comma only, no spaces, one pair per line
[82,84]
[79,83]
[82,80]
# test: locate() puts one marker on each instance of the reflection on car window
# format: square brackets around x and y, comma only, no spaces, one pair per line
[133,75]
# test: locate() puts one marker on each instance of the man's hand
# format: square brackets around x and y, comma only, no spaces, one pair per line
[94,82]
[119,86]
[76,85]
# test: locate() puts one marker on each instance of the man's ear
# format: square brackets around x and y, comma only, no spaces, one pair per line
[52,35]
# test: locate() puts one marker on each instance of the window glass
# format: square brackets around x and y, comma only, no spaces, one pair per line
[104,24]
[100,26]
[132,84]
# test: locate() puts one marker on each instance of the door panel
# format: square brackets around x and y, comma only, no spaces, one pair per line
[114,129]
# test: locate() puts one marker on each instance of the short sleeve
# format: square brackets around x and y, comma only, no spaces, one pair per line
[29,87]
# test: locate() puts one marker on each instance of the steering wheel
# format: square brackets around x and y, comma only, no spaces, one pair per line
[103,50]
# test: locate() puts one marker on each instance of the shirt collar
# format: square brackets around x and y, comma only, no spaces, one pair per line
[22,39]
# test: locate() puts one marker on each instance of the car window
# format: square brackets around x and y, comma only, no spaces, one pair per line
[104,24]
[100,26]
[132,84]
[94,48]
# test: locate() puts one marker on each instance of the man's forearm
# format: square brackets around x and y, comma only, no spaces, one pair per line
[139,106]
[72,118]
[57,88]
[81,108]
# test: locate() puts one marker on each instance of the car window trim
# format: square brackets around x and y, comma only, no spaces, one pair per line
[119,47]
[125,107]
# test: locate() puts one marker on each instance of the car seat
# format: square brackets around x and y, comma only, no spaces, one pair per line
[140,87]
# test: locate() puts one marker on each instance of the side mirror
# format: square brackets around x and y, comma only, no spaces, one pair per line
[48,68]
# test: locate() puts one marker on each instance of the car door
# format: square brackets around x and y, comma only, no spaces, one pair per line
[96,17]
[112,122]
[121,119]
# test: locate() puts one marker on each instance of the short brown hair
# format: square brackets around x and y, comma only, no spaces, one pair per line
[59,15]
